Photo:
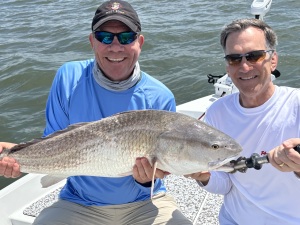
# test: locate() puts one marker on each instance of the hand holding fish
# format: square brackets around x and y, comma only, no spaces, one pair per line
[143,171]
[9,168]
[285,158]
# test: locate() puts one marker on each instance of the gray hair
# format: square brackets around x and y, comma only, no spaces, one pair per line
[242,24]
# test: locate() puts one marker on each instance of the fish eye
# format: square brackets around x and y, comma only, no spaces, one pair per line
[215,146]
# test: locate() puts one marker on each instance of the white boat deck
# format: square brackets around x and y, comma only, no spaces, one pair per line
[198,205]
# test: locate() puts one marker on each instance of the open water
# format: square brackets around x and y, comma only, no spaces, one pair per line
[181,48]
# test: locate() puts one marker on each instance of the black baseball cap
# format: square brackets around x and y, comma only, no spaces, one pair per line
[117,10]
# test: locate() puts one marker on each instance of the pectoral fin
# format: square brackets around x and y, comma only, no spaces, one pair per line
[153,177]
[125,174]
[49,180]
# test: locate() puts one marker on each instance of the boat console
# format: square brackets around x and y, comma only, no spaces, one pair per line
[259,8]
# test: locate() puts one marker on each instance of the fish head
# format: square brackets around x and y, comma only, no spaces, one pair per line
[220,147]
[194,146]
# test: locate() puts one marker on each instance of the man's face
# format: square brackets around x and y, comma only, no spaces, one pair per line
[253,79]
[116,61]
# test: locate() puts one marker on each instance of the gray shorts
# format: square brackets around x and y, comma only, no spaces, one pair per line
[161,210]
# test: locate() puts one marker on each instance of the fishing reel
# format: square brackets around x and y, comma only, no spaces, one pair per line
[254,161]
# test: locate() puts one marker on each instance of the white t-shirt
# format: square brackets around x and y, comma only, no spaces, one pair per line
[265,196]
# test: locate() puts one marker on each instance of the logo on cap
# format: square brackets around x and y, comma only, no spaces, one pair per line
[115,6]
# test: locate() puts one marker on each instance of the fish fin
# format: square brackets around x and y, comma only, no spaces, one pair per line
[138,110]
[50,180]
[124,174]
[126,112]
[36,140]
[23,145]
[153,177]
[69,128]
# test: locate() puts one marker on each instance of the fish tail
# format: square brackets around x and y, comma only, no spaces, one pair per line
[5,152]
[8,151]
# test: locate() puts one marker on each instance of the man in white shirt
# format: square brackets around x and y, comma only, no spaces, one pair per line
[264,119]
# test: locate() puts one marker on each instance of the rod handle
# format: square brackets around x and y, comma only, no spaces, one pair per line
[297,148]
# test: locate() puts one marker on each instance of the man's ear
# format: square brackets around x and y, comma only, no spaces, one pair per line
[227,71]
[274,61]
[91,38]
[141,40]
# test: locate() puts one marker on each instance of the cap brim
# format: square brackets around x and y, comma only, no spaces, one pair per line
[127,22]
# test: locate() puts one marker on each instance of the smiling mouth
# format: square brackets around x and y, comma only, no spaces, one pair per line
[115,60]
[247,78]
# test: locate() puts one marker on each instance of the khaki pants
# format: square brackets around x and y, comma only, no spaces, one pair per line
[162,210]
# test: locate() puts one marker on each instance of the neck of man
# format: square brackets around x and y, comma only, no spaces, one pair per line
[123,85]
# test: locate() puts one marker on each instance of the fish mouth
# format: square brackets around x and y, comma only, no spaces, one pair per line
[216,164]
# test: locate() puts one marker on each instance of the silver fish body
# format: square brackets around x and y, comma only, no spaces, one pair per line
[109,147]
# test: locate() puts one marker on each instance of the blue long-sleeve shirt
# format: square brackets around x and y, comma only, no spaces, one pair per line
[75,97]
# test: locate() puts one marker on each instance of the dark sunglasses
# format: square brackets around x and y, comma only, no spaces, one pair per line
[124,38]
[252,57]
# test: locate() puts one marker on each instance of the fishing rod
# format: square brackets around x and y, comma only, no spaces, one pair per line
[254,161]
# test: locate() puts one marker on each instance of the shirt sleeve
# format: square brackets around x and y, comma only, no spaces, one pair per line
[171,105]
[219,183]
[57,105]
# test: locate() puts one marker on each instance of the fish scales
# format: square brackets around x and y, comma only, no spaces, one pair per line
[108,147]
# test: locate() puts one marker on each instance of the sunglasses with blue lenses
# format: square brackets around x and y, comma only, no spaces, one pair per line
[124,38]
[252,57]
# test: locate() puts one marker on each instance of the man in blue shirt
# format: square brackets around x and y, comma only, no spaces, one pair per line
[93,89]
